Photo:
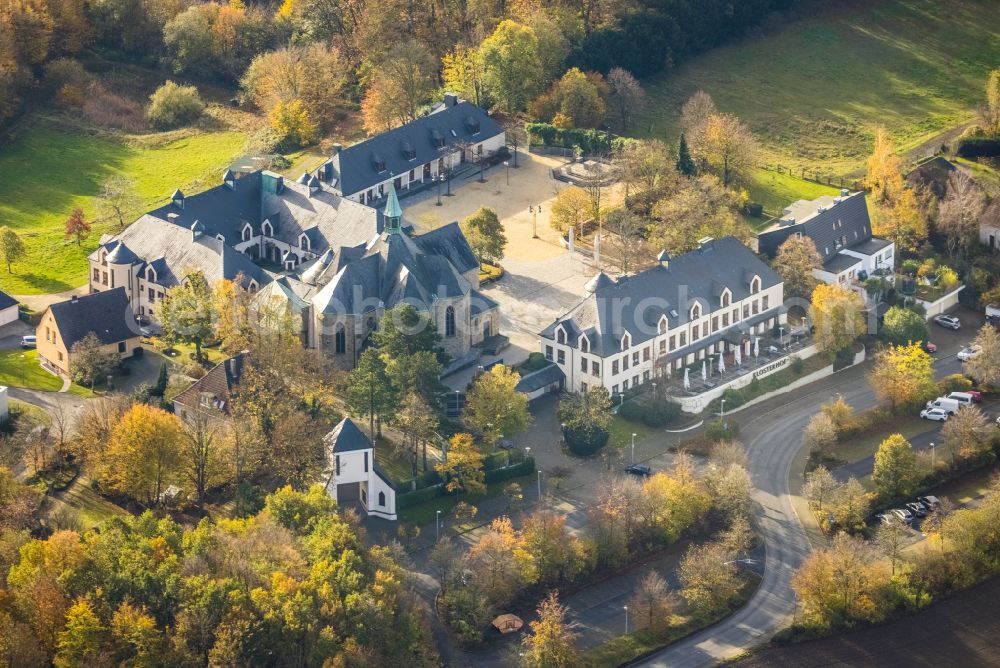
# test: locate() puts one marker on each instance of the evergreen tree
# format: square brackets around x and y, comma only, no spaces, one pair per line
[161,381]
[685,163]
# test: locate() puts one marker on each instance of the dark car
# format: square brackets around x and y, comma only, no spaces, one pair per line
[917,509]
[929,502]
[639,469]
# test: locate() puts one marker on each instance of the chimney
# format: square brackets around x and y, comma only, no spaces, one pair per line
[197,229]
[450,100]
[337,148]
[326,171]
[271,183]
[172,217]
[314,185]
[664,259]
[704,242]
[844,192]
[74,299]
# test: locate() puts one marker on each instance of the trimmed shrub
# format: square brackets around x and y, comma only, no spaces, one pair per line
[755,209]
[956,382]
[172,106]
[584,442]
[589,141]
[719,430]
[419,496]
[654,413]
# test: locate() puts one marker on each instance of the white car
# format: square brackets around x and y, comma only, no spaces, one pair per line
[966,354]
[938,414]
[949,321]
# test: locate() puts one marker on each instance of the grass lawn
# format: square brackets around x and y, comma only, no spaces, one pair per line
[424,513]
[48,170]
[866,444]
[815,89]
[776,190]
[183,353]
[20,368]
[91,506]
[620,434]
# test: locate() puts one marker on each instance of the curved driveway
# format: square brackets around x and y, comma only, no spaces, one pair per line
[773,439]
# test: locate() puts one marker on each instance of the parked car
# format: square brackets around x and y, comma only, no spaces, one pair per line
[977,396]
[884,518]
[917,508]
[903,514]
[963,398]
[929,502]
[936,414]
[950,405]
[929,347]
[968,353]
[949,321]
[29,341]
[639,469]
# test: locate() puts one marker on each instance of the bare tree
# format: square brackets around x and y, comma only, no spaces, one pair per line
[60,430]
[696,112]
[651,601]
[959,214]
[626,241]
[627,98]
[118,200]
[891,537]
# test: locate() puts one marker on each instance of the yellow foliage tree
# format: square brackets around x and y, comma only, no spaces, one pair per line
[570,208]
[903,376]
[897,215]
[676,502]
[836,314]
[145,453]
[464,467]
[291,122]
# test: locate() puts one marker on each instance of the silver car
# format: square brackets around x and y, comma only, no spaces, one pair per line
[949,321]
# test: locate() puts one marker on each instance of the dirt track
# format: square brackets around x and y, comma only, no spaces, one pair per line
[961,631]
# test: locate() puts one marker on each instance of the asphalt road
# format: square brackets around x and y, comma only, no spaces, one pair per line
[773,441]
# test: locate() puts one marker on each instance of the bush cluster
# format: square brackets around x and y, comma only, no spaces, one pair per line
[654,413]
[978,147]
[589,141]
[583,442]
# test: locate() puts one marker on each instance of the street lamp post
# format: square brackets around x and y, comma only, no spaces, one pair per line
[633,447]
[781,337]
[722,412]
[539,485]
[439,179]
[447,180]
[626,618]
[933,456]
[507,165]
[437,526]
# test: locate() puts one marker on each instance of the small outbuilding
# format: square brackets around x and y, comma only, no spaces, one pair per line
[8,309]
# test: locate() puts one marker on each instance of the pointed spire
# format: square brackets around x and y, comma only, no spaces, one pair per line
[393,212]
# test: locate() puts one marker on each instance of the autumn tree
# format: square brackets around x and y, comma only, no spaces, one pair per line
[83,638]
[674,503]
[494,407]
[892,538]
[644,167]
[462,73]
[895,474]
[12,248]
[407,74]
[968,433]
[206,460]
[144,454]
[118,200]
[551,643]
[795,262]
[843,584]
[463,467]
[650,602]
[77,226]
[851,505]
[187,312]
[369,390]
[726,146]
[897,216]
[570,208]
[836,314]
[90,359]
[901,326]
[416,422]
[903,376]
[709,578]
[820,435]
[820,487]
[984,368]
[698,207]
[625,96]
[172,105]
[558,555]
[512,68]
[959,214]
[575,101]
[485,234]
[500,565]
[696,112]
[292,124]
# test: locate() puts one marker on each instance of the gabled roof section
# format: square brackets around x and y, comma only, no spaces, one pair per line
[6,301]
[828,221]
[107,314]
[221,210]
[636,304]
[428,137]
[218,383]
[346,437]
[449,241]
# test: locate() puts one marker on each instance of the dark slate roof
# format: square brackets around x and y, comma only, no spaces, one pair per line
[107,314]
[536,380]
[449,241]
[480,303]
[733,335]
[844,217]
[218,382]
[636,303]
[6,301]
[871,246]
[121,254]
[220,210]
[346,437]
[840,262]
[355,166]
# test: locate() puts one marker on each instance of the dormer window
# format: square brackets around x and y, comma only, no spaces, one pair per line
[662,327]
[151,275]
[472,124]
[437,139]
[104,258]
[755,285]
[266,229]
[626,341]
[303,242]
[584,345]
[726,298]
[696,311]
[560,336]
[379,163]
[247,233]
[409,152]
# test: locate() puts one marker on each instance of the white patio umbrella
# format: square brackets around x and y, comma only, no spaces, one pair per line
[722,364]
[738,355]
[756,346]
[704,371]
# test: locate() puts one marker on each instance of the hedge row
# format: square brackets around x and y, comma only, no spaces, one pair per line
[419,496]
[499,475]
[978,147]
[589,141]
[649,412]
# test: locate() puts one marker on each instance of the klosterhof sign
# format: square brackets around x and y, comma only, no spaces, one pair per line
[770,368]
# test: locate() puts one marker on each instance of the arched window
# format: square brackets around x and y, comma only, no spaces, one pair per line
[304,242]
[449,321]
[370,324]
[584,345]
[151,275]
[340,340]
[726,298]
[663,326]
[253,287]
[755,285]
[266,229]
[247,233]
[381,498]
[696,311]
[561,336]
